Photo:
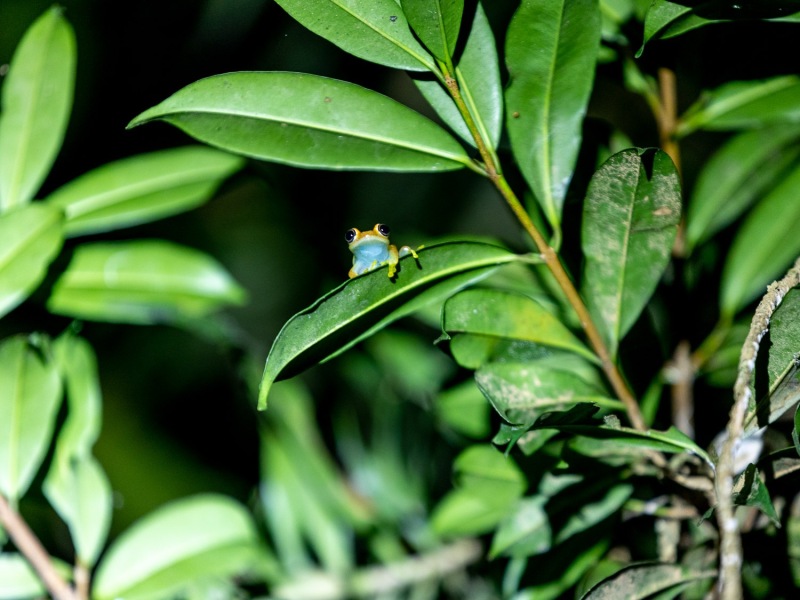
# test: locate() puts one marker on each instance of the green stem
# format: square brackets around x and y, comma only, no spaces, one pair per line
[551,259]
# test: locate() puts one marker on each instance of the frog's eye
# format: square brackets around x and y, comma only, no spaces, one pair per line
[382,229]
[350,235]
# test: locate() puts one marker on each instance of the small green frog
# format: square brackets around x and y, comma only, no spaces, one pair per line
[371,249]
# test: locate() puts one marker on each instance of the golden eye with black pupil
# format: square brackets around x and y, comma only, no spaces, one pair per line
[383,229]
[350,235]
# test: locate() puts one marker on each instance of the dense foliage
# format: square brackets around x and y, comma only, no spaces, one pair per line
[603,407]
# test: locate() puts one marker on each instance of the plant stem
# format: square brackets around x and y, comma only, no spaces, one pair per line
[31,548]
[730,541]
[551,259]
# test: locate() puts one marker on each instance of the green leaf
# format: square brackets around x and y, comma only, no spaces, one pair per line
[142,188]
[308,121]
[30,237]
[623,439]
[630,219]
[521,392]
[376,30]
[478,76]
[184,541]
[666,19]
[551,50]
[523,532]
[81,494]
[639,581]
[738,174]
[36,102]
[490,484]
[436,23]
[749,490]
[508,315]
[796,430]
[765,245]
[30,393]
[18,580]
[142,282]
[590,513]
[743,104]
[76,485]
[783,395]
[784,336]
[464,409]
[361,306]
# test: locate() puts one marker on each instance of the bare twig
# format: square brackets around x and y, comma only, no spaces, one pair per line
[730,541]
[31,548]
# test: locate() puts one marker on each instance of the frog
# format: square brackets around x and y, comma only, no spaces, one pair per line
[371,249]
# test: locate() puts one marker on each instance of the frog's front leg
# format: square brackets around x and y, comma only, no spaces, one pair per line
[393,259]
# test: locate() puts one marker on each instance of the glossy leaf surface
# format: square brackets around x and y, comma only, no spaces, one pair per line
[144,282]
[784,335]
[521,392]
[36,102]
[30,237]
[764,246]
[630,220]
[551,50]
[478,75]
[742,104]
[363,305]
[308,121]
[737,175]
[376,30]
[508,315]
[142,188]
[436,23]
[184,541]
[30,394]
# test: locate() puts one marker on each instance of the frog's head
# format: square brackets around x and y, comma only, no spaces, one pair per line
[376,237]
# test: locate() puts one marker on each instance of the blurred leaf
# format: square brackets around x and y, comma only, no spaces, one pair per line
[551,50]
[316,520]
[436,23]
[76,485]
[521,392]
[142,282]
[30,393]
[80,492]
[36,102]
[523,532]
[630,219]
[738,174]
[361,306]
[784,335]
[749,490]
[30,237]
[186,540]
[741,104]
[376,31]
[142,188]
[478,76]
[18,580]
[464,408]
[645,580]
[490,484]
[308,121]
[765,245]
[508,315]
